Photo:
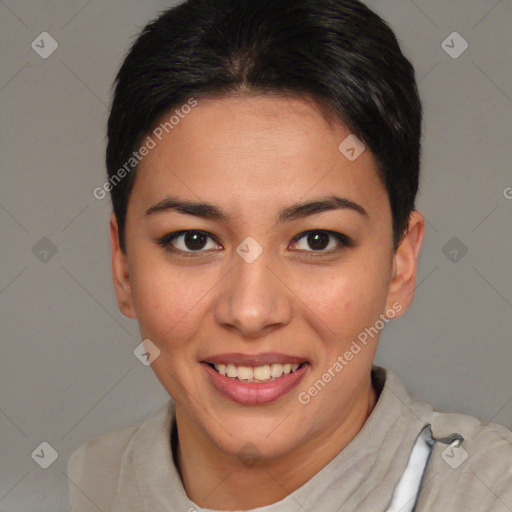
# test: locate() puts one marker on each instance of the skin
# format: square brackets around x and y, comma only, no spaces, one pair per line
[252,156]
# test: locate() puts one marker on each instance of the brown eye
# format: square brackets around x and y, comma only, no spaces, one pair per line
[188,242]
[194,240]
[320,240]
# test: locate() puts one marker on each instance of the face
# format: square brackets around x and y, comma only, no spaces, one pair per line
[256,280]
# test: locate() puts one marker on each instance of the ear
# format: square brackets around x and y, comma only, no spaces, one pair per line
[405,265]
[120,273]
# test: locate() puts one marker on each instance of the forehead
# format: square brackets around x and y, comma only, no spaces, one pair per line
[254,151]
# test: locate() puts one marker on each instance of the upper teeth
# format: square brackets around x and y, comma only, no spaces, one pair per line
[264,372]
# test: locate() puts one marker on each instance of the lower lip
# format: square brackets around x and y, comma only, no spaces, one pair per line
[252,392]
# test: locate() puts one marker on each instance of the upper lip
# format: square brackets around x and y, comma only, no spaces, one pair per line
[253,360]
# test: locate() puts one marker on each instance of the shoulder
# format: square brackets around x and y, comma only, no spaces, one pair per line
[93,469]
[96,468]
[475,475]
[482,438]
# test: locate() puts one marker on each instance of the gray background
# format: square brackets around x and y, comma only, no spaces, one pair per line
[67,363]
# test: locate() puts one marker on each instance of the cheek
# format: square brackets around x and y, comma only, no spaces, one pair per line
[351,299]
[168,302]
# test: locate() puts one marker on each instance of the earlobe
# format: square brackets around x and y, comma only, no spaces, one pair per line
[120,272]
[405,263]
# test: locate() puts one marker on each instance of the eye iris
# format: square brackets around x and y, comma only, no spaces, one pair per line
[194,240]
[318,240]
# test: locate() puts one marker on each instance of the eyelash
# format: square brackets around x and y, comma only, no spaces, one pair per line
[165,242]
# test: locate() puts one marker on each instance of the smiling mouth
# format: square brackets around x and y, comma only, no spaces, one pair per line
[257,374]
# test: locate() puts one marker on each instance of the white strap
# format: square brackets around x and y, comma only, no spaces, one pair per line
[408,488]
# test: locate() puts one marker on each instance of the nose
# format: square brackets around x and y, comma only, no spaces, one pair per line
[253,301]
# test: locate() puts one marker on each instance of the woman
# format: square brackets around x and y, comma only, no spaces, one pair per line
[263,161]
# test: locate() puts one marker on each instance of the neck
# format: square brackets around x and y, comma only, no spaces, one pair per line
[218,481]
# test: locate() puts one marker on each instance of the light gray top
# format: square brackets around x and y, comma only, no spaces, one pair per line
[132,470]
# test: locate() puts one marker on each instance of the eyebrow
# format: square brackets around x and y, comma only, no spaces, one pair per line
[296,211]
